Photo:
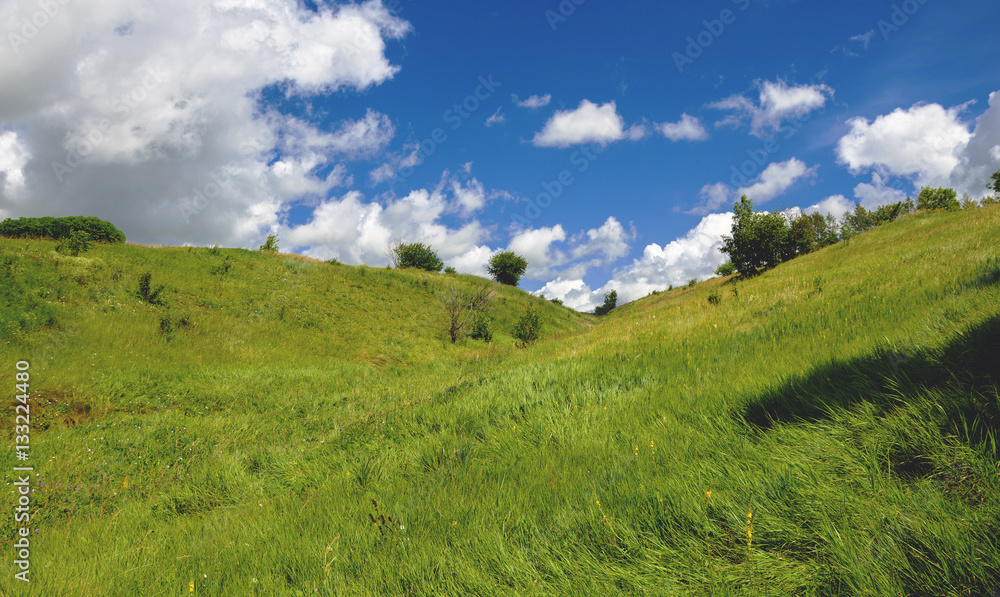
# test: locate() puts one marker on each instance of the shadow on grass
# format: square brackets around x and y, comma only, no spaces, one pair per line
[964,377]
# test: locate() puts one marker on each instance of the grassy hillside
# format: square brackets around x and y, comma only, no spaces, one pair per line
[827,428]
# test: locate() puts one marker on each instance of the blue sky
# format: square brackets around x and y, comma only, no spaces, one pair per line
[604,141]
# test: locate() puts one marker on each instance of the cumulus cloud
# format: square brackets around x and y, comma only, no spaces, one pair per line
[878,193]
[835,205]
[136,112]
[924,143]
[573,293]
[981,156]
[470,197]
[534,101]
[13,156]
[776,103]
[777,178]
[610,242]
[688,128]
[535,245]
[589,123]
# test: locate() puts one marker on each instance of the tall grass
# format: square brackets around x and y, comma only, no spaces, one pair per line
[847,399]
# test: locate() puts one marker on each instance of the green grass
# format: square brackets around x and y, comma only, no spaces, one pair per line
[848,399]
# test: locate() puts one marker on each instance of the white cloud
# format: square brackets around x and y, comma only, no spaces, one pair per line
[777,178]
[610,240]
[470,197]
[589,123]
[573,293]
[981,156]
[776,102]
[878,193]
[535,245]
[688,128]
[130,123]
[535,101]
[835,205]
[13,156]
[496,118]
[696,255]
[355,231]
[923,142]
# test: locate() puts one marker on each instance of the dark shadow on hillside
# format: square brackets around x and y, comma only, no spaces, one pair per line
[966,374]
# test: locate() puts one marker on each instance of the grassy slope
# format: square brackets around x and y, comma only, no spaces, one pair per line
[848,399]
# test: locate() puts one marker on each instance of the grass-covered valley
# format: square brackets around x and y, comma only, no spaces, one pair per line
[282,426]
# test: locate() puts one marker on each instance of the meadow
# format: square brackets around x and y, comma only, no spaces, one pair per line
[283,426]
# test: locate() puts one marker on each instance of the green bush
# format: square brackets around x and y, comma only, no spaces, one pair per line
[61,228]
[482,327]
[715,298]
[610,302]
[938,198]
[529,327]
[507,267]
[78,242]
[417,255]
[451,271]
[270,245]
[726,269]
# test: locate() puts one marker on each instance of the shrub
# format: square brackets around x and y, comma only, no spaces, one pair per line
[78,242]
[692,282]
[726,269]
[507,267]
[270,245]
[715,298]
[451,271]
[556,301]
[333,261]
[417,255]
[482,327]
[610,302]
[529,327]
[59,228]
[462,307]
[147,293]
[223,268]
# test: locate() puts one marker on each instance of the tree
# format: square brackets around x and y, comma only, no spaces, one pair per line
[610,302]
[507,267]
[994,184]
[417,255]
[938,198]
[758,239]
[270,245]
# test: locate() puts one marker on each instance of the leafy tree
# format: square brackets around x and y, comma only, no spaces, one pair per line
[938,198]
[610,302]
[507,267]
[417,255]
[61,228]
[78,242]
[529,327]
[726,269]
[994,184]
[758,239]
[482,327]
[270,245]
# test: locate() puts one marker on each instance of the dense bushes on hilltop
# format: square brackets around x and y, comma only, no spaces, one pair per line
[99,230]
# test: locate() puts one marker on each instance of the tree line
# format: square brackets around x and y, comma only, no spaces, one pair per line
[762,240]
